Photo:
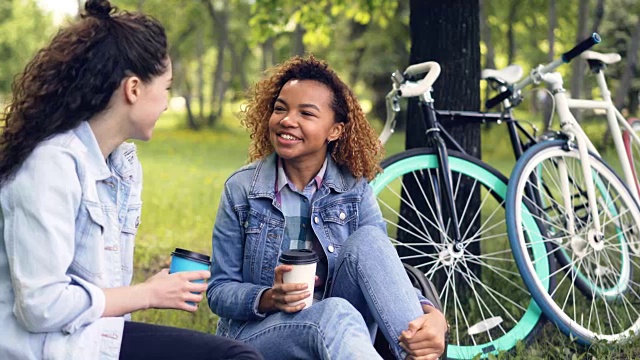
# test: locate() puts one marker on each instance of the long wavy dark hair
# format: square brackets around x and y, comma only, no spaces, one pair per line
[74,77]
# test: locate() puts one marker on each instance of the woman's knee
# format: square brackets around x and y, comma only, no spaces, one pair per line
[337,312]
[369,239]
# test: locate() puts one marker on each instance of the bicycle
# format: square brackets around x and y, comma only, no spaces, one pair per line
[488,309]
[590,221]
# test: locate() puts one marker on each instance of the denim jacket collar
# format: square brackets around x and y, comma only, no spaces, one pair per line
[266,171]
[122,158]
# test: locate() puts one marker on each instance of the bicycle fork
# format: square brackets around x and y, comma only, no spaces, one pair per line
[569,126]
[433,133]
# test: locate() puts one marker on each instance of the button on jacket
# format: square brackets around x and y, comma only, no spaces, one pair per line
[67,228]
[249,230]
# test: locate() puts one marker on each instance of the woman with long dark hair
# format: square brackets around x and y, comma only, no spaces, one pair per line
[70,196]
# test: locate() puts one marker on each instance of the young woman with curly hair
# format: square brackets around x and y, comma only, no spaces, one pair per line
[70,200]
[313,152]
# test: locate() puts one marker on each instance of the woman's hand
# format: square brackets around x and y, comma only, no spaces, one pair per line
[173,291]
[279,296]
[424,338]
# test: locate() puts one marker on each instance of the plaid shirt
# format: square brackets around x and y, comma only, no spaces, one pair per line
[296,208]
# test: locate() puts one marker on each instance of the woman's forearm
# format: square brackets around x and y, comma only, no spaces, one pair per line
[123,300]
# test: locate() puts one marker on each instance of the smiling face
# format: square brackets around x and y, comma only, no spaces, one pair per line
[151,102]
[302,122]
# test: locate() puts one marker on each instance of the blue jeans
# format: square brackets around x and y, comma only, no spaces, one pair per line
[370,289]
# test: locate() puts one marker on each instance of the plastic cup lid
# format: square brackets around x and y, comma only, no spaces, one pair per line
[192,255]
[299,256]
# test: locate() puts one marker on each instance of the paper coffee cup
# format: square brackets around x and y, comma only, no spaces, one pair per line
[185,260]
[304,263]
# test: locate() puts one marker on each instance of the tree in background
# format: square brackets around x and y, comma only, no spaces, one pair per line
[219,47]
[24,28]
[448,33]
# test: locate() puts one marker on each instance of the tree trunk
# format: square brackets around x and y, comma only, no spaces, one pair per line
[511,37]
[268,53]
[221,32]
[599,15]
[200,71]
[191,120]
[578,66]
[298,44]
[551,39]
[627,76]
[453,40]
[244,55]
[485,36]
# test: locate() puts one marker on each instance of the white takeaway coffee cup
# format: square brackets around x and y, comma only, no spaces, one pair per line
[303,263]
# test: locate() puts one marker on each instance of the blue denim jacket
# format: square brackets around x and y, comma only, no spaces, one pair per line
[67,230]
[249,231]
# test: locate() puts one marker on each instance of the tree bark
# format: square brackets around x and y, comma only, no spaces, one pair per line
[627,76]
[485,36]
[453,40]
[551,39]
[511,37]
[186,93]
[268,53]
[298,44]
[598,16]
[200,71]
[221,32]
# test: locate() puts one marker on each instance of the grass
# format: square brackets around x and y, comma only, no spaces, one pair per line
[184,174]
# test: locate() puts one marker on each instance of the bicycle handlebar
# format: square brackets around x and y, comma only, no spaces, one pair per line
[411,89]
[407,88]
[537,73]
[581,47]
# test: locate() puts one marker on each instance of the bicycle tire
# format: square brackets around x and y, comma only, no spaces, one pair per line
[497,267]
[610,295]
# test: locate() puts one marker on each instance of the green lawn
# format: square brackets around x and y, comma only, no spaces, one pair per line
[184,173]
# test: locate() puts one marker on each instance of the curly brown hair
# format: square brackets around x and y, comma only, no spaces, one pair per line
[75,76]
[358,148]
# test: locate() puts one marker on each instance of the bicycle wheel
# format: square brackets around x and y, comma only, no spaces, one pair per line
[555,226]
[600,259]
[483,296]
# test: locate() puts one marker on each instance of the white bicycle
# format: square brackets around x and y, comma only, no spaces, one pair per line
[590,216]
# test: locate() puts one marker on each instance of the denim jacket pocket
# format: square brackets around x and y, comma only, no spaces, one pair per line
[128,235]
[339,220]
[89,239]
[339,213]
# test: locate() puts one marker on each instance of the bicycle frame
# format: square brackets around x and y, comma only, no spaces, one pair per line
[570,126]
[615,120]
[438,137]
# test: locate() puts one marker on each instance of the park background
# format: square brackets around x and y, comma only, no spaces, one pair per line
[220,47]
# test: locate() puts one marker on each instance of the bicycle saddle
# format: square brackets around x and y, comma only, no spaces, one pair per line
[511,74]
[610,58]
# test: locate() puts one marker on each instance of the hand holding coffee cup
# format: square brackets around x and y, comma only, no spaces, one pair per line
[303,264]
[185,260]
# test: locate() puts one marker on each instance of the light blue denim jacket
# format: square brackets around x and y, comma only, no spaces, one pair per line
[249,230]
[67,230]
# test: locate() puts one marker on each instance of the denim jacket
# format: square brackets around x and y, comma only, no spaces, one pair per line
[67,228]
[249,230]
